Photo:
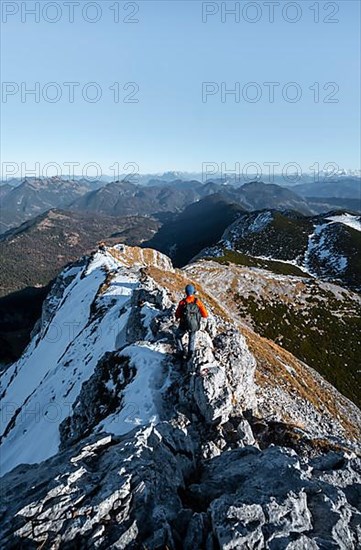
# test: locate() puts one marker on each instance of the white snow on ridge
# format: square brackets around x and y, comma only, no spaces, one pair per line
[260,222]
[347,219]
[45,383]
[88,320]
[68,321]
[140,397]
[288,262]
[320,249]
[242,229]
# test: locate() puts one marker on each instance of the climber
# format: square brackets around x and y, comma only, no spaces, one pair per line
[189,312]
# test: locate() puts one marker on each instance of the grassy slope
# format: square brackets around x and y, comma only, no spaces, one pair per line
[325,335]
[317,322]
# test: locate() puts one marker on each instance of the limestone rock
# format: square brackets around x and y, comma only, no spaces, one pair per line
[192,465]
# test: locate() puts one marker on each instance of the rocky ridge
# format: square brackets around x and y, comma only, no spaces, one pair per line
[152,453]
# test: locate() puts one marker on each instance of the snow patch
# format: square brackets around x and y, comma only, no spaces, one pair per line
[41,388]
[141,398]
[260,222]
[320,248]
[347,219]
[242,228]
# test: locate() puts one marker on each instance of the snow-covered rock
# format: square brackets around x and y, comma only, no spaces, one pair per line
[109,441]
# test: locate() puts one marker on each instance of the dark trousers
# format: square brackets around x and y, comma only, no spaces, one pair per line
[180,333]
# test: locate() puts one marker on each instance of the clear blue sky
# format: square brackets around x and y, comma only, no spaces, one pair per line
[169,53]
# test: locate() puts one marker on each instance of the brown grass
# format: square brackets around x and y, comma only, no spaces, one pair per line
[270,371]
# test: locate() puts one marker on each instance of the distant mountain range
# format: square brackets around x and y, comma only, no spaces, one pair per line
[327,204]
[238,177]
[122,198]
[33,197]
[256,195]
[160,197]
[346,188]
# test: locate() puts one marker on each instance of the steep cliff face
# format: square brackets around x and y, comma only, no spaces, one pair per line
[109,441]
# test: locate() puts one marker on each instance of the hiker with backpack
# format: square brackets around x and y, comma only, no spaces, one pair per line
[189,312]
